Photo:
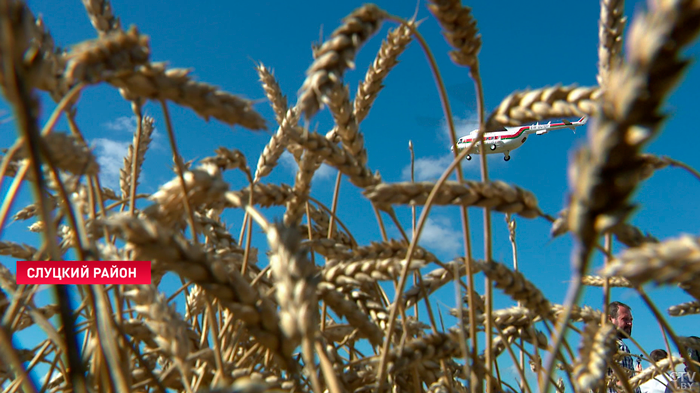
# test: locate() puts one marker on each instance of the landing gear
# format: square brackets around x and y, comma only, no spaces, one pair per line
[493,147]
[506,158]
[469,157]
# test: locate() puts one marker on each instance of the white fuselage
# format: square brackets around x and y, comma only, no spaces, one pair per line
[497,141]
[511,138]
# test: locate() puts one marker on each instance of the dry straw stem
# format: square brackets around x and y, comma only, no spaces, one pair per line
[459,30]
[610,29]
[396,42]
[597,281]
[153,81]
[548,102]
[672,261]
[109,56]
[495,195]
[597,349]
[336,55]
[101,16]
[682,309]
[135,156]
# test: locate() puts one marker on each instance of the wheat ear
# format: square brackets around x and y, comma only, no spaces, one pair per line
[495,195]
[597,348]
[153,81]
[396,42]
[548,102]
[459,30]
[336,55]
[611,26]
[685,309]
[135,157]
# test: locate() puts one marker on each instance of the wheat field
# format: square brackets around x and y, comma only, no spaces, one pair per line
[313,310]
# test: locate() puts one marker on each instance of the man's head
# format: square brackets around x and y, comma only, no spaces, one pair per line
[621,316]
[658,354]
[693,353]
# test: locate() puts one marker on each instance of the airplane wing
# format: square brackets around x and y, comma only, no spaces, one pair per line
[568,123]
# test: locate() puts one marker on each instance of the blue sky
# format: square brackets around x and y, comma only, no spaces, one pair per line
[525,45]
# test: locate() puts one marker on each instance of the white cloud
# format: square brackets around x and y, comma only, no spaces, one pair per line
[431,168]
[288,162]
[122,123]
[463,126]
[110,156]
[128,124]
[438,234]
[427,168]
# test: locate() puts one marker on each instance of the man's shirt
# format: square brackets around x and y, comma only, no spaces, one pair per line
[627,364]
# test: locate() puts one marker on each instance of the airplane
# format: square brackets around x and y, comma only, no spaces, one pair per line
[511,138]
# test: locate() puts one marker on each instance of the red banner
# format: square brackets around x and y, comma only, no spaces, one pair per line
[84,272]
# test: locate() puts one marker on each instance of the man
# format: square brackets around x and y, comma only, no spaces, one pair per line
[620,315]
[659,382]
[685,379]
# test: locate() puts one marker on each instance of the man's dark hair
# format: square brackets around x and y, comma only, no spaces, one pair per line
[615,307]
[658,354]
